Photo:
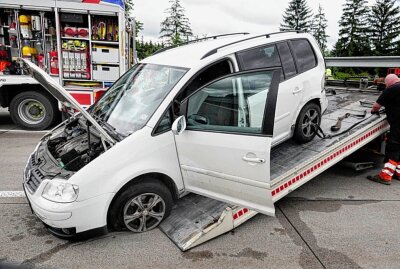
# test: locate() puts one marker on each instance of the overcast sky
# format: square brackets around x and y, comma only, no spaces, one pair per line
[214,17]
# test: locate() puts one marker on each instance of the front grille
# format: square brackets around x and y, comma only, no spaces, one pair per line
[33,176]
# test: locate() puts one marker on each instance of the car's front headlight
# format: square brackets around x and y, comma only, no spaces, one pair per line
[60,191]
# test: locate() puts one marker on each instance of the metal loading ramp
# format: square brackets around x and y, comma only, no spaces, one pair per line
[196,219]
[190,219]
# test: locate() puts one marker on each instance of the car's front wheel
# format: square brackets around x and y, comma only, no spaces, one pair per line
[309,117]
[141,207]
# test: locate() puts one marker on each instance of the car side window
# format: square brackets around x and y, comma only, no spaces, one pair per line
[261,57]
[288,66]
[165,122]
[232,104]
[304,54]
[211,73]
[218,69]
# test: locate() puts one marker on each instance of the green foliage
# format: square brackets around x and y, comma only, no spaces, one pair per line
[138,27]
[128,8]
[318,28]
[384,27]
[353,33]
[347,75]
[176,27]
[146,49]
[297,16]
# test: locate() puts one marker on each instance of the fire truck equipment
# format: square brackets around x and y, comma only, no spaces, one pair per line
[110,30]
[105,54]
[25,27]
[26,49]
[4,65]
[23,19]
[40,61]
[69,31]
[95,32]
[102,30]
[82,32]
[35,22]
[105,72]
[54,70]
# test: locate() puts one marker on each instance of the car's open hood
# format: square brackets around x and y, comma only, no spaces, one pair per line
[62,95]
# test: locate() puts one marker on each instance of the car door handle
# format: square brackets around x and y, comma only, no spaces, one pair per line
[253,160]
[297,90]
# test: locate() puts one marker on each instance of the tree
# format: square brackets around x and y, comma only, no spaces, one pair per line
[176,27]
[353,30]
[147,49]
[385,27]
[128,8]
[318,28]
[297,16]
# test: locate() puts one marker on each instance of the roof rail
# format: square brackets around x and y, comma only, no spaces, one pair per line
[198,40]
[213,51]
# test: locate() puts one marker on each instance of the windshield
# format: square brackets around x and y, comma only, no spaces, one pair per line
[130,102]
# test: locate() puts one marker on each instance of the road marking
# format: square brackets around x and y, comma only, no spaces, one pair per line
[11,194]
[22,131]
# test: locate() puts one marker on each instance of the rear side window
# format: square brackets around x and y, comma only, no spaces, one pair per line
[304,54]
[289,68]
[261,57]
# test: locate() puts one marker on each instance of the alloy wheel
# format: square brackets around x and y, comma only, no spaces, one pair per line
[310,120]
[144,212]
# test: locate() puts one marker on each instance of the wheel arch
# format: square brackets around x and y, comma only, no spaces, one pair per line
[162,178]
[316,101]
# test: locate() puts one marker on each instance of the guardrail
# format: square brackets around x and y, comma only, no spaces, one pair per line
[364,61]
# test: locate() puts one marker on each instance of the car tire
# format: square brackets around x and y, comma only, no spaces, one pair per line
[309,116]
[33,110]
[140,207]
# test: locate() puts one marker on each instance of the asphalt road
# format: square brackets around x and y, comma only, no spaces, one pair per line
[338,220]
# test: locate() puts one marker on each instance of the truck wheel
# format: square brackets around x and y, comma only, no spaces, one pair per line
[309,116]
[141,207]
[33,110]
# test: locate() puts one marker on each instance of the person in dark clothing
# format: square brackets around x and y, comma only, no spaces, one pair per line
[390,99]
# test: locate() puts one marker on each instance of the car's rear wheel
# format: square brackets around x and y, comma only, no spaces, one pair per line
[141,207]
[309,117]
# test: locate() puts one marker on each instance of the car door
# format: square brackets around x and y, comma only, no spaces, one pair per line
[290,90]
[223,139]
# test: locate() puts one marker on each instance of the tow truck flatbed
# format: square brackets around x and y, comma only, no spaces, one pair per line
[196,219]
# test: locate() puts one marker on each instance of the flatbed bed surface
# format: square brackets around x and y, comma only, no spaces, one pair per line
[289,154]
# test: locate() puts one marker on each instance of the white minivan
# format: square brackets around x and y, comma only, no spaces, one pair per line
[198,118]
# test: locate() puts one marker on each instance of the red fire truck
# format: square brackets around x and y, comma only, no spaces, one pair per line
[82,44]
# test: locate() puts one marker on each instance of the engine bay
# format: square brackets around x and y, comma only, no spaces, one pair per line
[75,144]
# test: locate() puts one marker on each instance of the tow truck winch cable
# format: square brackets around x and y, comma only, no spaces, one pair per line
[338,124]
[320,133]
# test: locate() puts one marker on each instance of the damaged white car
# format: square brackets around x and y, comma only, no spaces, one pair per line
[198,118]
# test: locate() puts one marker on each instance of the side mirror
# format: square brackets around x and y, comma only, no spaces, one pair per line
[179,125]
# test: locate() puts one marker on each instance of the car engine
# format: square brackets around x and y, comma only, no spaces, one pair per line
[72,147]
